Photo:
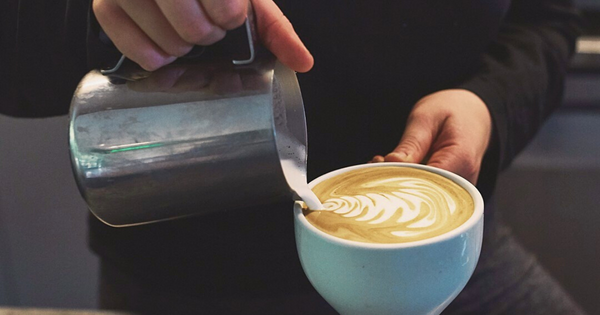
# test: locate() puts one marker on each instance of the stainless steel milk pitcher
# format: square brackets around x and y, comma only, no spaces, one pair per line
[191,138]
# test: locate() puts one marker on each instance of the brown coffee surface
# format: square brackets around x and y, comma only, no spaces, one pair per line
[390,204]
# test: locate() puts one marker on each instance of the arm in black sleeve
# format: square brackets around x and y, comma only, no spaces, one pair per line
[522,74]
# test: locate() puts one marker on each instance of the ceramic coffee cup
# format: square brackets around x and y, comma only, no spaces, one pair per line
[417,277]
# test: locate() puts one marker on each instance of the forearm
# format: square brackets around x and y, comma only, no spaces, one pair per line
[522,73]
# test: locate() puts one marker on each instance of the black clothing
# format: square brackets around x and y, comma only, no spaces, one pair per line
[373,61]
[44,50]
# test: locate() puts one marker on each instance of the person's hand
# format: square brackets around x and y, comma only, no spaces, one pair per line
[449,129]
[154,33]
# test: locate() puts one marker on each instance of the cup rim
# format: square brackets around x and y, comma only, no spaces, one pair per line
[465,226]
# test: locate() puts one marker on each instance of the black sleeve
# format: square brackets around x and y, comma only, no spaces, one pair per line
[522,76]
[43,55]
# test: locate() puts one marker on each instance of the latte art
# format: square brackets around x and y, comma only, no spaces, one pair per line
[408,200]
[390,205]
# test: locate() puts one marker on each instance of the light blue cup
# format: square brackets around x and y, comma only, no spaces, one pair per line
[415,278]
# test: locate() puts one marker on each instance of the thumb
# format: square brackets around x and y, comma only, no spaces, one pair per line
[278,36]
[416,141]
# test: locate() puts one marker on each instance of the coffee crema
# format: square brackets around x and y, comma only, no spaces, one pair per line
[389,204]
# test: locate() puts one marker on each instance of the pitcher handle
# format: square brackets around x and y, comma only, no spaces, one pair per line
[249,24]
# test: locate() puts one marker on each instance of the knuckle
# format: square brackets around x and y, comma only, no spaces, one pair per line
[200,34]
[411,143]
[230,15]
[194,33]
[420,115]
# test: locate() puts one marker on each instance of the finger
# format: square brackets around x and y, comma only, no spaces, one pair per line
[458,160]
[153,22]
[227,14]
[190,21]
[128,37]
[416,141]
[278,35]
[377,159]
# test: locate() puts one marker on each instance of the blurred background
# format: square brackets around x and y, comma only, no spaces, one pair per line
[550,196]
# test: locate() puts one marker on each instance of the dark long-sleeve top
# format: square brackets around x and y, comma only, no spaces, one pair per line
[373,61]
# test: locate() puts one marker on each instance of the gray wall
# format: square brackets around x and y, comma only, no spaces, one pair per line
[44,260]
[551,199]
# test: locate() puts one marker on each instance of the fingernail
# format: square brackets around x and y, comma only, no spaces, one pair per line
[377,159]
[402,156]
[399,156]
